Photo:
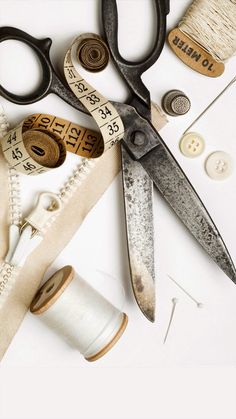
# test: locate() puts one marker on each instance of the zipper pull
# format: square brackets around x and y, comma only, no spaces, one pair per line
[47,206]
[13,238]
[30,234]
[28,241]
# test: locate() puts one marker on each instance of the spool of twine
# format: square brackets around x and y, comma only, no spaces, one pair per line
[77,312]
[212,24]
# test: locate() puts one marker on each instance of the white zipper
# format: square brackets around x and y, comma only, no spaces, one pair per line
[24,237]
[15,211]
[6,270]
[76,178]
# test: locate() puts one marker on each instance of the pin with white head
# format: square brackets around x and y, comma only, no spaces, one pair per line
[174,302]
[198,304]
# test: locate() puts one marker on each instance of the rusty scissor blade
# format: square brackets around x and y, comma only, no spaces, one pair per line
[138,194]
[170,180]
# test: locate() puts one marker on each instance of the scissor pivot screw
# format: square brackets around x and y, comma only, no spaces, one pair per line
[138,138]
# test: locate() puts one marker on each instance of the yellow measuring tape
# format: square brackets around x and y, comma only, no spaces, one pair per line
[104,113]
[41,141]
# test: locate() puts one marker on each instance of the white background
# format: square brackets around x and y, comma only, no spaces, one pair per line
[191,376]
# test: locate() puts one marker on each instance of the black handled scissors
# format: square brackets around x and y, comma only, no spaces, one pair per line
[51,82]
[143,144]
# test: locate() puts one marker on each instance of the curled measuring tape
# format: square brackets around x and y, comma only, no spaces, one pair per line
[40,142]
[92,52]
[104,113]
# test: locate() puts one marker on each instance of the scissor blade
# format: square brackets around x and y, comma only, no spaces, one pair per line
[138,194]
[179,193]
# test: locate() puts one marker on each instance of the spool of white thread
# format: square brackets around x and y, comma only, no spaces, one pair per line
[79,313]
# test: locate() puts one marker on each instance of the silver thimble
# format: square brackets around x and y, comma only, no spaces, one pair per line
[176,103]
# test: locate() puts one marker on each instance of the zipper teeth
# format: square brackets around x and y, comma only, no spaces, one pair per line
[74,180]
[8,274]
[15,211]
[4,124]
[77,177]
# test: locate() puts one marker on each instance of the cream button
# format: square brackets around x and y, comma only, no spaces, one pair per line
[219,165]
[191,144]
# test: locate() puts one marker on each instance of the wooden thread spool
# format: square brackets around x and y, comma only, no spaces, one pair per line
[93,53]
[79,313]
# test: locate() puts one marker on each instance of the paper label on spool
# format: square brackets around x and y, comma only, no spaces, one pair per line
[193,55]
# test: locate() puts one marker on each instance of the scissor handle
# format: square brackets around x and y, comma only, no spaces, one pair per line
[132,71]
[41,47]
[50,83]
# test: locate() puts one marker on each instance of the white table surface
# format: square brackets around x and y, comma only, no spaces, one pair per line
[191,375]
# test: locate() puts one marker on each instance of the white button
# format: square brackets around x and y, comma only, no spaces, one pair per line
[219,165]
[191,144]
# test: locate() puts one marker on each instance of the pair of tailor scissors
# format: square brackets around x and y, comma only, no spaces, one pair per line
[146,160]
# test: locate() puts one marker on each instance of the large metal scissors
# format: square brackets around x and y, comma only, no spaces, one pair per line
[145,157]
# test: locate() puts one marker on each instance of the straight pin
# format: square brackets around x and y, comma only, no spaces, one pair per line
[199,305]
[174,302]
